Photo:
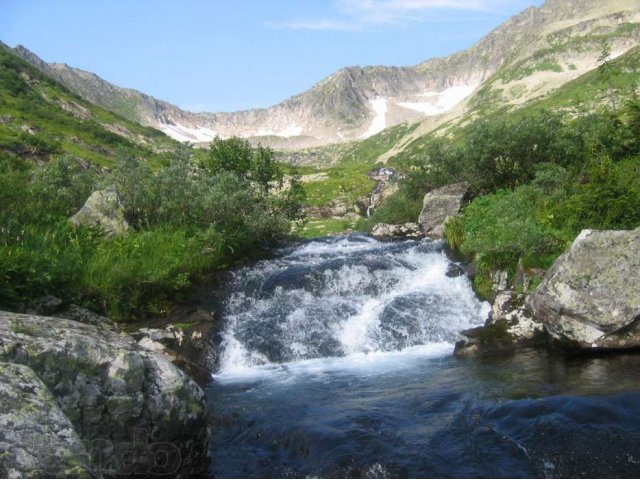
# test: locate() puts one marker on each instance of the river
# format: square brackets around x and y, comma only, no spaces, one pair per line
[336,361]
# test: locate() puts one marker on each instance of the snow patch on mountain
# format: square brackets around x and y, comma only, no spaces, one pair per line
[440,102]
[187,134]
[379,123]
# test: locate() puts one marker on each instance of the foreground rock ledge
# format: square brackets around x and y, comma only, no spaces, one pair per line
[589,300]
[106,405]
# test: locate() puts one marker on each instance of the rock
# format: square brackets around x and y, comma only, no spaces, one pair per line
[102,209]
[47,304]
[83,315]
[36,438]
[510,326]
[590,297]
[440,204]
[499,281]
[408,230]
[524,276]
[187,344]
[502,304]
[454,270]
[126,403]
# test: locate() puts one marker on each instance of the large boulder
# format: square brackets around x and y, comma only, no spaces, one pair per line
[37,440]
[440,204]
[134,411]
[103,209]
[590,298]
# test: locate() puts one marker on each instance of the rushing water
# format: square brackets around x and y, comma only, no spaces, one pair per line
[335,361]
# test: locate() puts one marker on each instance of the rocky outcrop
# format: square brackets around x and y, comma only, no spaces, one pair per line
[588,300]
[103,209]
[590,297]
[36,438]
[134,412]
[510,326]
[440,204]
[188,344]
[407,230]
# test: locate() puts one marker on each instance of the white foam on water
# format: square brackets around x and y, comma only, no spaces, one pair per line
[358,363]
[380,306]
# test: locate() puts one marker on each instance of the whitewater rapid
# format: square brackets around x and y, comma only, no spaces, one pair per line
[345,303]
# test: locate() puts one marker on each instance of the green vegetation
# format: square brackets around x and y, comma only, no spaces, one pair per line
[190,211]
[40,117]
[320,227]
[345,166]
[186,220]
[537,181]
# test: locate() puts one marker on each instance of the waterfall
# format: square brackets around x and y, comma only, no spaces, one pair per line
[341,302]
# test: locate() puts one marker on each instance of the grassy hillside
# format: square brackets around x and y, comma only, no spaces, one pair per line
[39,118]
[187,213]
[538,174]
[589,92]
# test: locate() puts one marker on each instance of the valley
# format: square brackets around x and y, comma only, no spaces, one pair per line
[402,272]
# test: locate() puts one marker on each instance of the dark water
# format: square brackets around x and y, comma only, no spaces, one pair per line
[336,362]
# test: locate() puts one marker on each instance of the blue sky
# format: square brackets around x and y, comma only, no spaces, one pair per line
[224,55]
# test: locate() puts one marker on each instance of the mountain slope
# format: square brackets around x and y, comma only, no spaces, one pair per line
[535,51]
[42,117]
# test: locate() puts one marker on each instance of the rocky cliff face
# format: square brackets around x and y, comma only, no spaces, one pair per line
[80,400]
[530,54]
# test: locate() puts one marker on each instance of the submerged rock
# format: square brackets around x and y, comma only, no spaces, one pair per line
[440,204]
[407,230]
[590,298]
[36,438]
[128,405]
[102,209]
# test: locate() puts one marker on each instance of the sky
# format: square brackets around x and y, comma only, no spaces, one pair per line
[227,55]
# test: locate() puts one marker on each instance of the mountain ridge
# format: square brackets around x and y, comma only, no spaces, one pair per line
[356,102]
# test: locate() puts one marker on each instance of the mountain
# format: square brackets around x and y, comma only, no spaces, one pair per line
[40,117]
[526,57]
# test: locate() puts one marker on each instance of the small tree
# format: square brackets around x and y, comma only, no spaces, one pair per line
[608,71]
[236,155]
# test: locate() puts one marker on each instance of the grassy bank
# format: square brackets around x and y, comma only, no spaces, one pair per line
[186,218]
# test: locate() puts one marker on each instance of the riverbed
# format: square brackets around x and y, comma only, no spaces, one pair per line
[336,361]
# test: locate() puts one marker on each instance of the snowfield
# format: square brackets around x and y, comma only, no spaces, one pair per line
[186,134]
[379,123]
[440,102]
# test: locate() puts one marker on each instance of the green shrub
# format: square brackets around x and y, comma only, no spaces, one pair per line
[143,272]
[454,232]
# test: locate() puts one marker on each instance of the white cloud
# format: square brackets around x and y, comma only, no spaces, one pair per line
[357,15]
[317,25]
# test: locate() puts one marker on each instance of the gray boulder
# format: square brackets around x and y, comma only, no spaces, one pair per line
[103,209]
[130,406]
[37,440]
[590,298]
[407,230]
[440,204]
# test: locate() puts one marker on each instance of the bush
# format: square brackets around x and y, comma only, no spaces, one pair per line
[144,272]
[402,207]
